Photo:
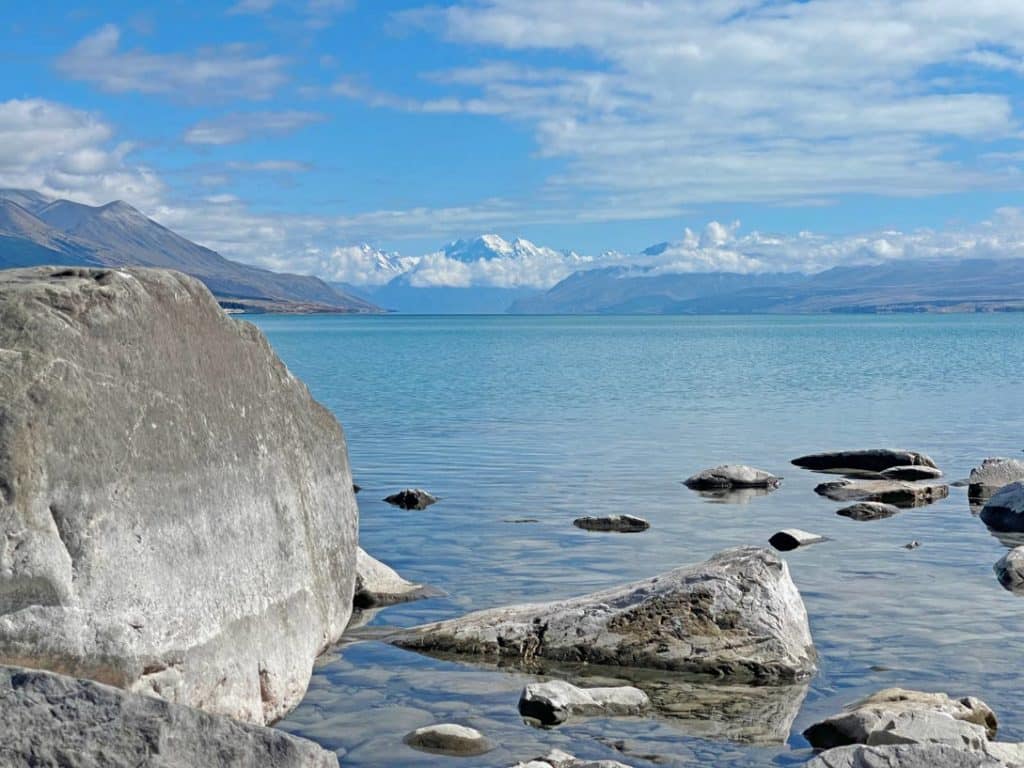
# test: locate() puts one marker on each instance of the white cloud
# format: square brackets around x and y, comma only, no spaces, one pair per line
[242,126]
[208,74]
[270,166]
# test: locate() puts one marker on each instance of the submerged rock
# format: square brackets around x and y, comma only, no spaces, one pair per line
[911,473]
[791,538]
[178,511]
[52,720]
[555,701]
[896,492]
[1005,510]
[875,460]
[556,758]
[615,523]
[379,585]
[737,615]
[729,476]
[411,498]
[1010,570]
[993,474]
[449,739]
[868,510]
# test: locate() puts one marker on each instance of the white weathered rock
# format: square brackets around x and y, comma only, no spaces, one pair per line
[49,720]
[912,473]
[612,523]
[926,727]
[177,510]
[555,701]
[896,492]
[379,585]
[556,758]
[449,739]
[993,474]
[1010,569]
[868,510]
[1005,510]
[873,460]
[791,538]
[737,615]
[732,476]
[904,756]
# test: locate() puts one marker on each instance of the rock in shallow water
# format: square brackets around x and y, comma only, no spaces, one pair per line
[411,498]
[868,510]
[1005,510]
[51,721]
[732,476]
[178,510]
[379,585]
[737,615]
[875,460]
[896,492]
[904,756]
[993,474]
[791,538]
[556,758]
[911,473]
[1010,570]
[555,701]
[449,739]
[613,523]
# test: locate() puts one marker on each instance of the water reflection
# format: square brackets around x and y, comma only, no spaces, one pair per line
[734,495]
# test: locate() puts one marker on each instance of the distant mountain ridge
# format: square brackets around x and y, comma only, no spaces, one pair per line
[35,230]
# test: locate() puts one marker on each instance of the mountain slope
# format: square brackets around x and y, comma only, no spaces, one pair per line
[65,232]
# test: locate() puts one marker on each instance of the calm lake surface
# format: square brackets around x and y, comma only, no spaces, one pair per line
[507,418]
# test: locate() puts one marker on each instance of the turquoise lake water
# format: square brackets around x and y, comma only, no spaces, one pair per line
[549,419]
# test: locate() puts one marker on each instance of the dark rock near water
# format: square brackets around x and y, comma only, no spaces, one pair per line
[614,523]
[1010,570]
[1005,510]
[411,498]
[791,538]
[728,476]
[911,473]
[868,510]
[178,511]
[378,585]
[876,460]
[356,488]
[52,721]
[737,616]
[449,739]
[993,474]
[912,544]
[555,701]
[896,492]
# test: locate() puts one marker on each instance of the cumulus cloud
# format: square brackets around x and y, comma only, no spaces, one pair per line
[228,71]
[242,126]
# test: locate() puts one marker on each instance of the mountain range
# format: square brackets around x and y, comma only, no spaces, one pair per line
[36,230]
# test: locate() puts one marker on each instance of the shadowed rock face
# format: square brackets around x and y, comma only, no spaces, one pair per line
[737,616]
[993,474]
[47,718]
[1005,510]
[178,510]
[875,460]
[378,585]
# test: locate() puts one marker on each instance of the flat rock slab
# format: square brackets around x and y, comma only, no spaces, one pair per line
[895,492]
[1005,510]
[178,511]
[378,585]
[449,739]
[868,510]
[791,538]
[912,473]
[731,476]
[612,523]
[904,756]
[874,460]
[555,701]
[737,615]
[994,473]
[51,721]
[411,498]
[1010,570]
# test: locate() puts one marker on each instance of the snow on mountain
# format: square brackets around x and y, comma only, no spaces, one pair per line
[363,265]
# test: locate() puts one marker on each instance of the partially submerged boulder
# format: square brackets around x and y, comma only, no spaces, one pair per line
[905,756]
[52,720]
[874,460]
[555,701]
[411,498]
[1005,510]
[732,476]
[556,758]
[911,473]
[449,739]
[737,615]
[791,538]
[378,585]
[612,523]
[1010,570]
[178,510]
[868,510]
[994,473]
[895,492]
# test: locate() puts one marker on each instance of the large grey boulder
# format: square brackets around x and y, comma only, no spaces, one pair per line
[874,460]
[737,615]
[905,756]
[1005,510]
[993,474]
[177,509]
[731,476]
[1010,569]
[52,721]
[378,585]
[555,701]
[895,492]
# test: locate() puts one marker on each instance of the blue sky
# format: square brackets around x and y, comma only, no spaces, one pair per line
[280,131]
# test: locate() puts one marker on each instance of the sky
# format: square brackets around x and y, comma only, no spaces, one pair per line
[754,135]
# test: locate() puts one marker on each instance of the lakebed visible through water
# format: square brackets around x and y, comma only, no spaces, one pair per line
[547,419]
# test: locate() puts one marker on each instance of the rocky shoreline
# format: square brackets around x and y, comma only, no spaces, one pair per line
[182,543]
